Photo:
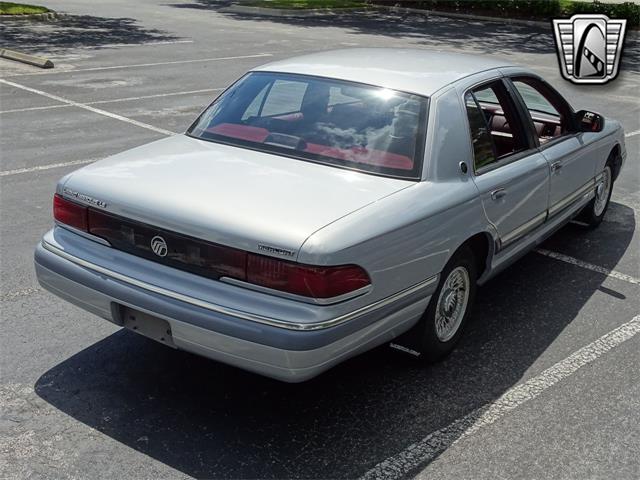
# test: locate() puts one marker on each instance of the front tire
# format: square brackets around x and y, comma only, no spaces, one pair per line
[594,212]
[444,319]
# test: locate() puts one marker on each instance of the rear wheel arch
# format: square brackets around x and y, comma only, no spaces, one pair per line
[481,245]
[422,339]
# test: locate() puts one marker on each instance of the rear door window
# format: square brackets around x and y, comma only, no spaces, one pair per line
[480,137]
[496,128]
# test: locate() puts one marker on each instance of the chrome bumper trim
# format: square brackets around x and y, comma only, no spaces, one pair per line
[238,313]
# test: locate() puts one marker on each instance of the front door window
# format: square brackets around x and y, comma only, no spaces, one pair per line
[549,113]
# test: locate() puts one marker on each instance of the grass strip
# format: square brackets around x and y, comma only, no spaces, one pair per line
[10,8]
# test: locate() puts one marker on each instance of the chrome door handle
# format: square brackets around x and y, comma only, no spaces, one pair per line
[556,167]
[498,194]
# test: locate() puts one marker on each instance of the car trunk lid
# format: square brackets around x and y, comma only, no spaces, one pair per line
[227,195]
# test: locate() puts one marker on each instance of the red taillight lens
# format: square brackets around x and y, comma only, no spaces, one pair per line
[305,280]
[197,256]
[70,213]
[212,260]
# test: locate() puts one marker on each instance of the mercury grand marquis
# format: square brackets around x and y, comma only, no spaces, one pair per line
[327,204]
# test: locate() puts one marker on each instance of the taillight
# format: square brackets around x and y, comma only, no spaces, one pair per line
[70,213]
[305,280]
[210,259]
[190,254]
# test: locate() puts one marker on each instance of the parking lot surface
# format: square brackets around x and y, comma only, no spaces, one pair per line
[545,383]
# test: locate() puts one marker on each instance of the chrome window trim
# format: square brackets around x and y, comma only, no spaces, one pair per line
[505,160]
[556,140]
[238,313]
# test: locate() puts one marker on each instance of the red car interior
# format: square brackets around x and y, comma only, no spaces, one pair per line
[547,127]
[353,154]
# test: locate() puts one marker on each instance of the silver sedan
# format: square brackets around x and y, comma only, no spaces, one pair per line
[327,204]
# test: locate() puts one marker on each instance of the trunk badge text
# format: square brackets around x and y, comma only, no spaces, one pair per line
[85,198]
[276,250]
[159,246]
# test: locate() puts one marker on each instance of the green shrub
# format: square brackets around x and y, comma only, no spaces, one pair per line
[504,7]
[9,8]
[533,9]
[628,10]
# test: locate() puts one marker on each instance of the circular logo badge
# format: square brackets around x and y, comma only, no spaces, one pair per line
[159,246]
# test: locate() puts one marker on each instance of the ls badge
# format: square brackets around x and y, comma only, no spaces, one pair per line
[589,47]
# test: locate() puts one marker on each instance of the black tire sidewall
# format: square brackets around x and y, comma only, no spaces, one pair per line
[431,347]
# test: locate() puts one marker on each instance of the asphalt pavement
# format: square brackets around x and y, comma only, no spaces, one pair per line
[545,383]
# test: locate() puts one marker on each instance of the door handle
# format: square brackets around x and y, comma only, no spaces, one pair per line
[498,194]
[556,167]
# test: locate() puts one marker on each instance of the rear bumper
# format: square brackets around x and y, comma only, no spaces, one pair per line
[288,354]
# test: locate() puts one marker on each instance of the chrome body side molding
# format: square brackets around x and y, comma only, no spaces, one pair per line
[527,227]
[573,197]
[523,229]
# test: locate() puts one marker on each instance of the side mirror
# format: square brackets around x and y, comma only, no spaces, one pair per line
[589,121]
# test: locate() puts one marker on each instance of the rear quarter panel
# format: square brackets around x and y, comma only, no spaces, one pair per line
[403,239]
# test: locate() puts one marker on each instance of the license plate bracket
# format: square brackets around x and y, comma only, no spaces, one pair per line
[147,325]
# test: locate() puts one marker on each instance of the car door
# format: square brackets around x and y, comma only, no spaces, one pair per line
[511,175]
[552,121]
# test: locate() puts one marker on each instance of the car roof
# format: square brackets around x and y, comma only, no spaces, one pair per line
[406,69]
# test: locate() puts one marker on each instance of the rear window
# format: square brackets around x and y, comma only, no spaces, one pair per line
[338,123]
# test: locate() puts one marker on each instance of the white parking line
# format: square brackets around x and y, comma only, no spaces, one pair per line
[631,134]
[143,44]
[89,108]
[158,95]
[174,62]
[589,266]
[115,100]
[18,171]
[138,65]
[427,449]
[31,109]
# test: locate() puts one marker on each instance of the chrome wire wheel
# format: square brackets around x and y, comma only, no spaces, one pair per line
[602,192]
[452,303]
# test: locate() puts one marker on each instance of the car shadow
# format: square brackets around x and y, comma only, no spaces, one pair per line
[76,31]
[595,245]
[210,420]
[431,31]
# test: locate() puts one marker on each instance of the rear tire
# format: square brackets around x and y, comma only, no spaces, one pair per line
[594,212]
[444,319]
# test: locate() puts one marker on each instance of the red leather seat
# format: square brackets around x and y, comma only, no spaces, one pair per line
[243,132]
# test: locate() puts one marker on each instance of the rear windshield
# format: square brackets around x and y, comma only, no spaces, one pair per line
[343,124]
